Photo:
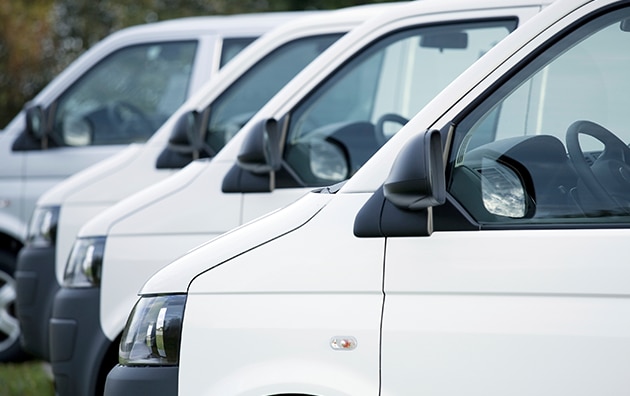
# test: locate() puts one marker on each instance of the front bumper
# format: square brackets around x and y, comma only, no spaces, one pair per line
[36,286]
[80,354]
[123,380]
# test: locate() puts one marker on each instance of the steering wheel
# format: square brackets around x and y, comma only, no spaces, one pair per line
[128,119]
[609,176]
[379,131]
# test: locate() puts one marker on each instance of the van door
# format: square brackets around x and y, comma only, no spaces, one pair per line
[522,288]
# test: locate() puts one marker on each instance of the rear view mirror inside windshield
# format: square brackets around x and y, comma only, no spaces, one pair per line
[445,40]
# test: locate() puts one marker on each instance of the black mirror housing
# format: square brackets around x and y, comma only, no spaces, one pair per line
[184,144]
[34,136]
[35,121]
[184,130]
[260,152]
[403,207]
[417,179]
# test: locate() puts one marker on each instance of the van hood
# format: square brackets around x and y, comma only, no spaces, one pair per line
[58,193]
[102,223]
[177,276]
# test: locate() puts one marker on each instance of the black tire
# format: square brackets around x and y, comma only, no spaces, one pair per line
[10,348]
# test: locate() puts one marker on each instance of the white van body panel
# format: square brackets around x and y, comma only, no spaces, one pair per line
[552,313]
[176,279]
[324,288]
[316,271]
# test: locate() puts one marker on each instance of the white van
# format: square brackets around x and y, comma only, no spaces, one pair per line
[209,120]
[333,107]
[81,118]
[480,252]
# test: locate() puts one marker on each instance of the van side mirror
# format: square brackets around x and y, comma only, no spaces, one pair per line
[403,207]
[417,179]
[34,136]
[260,152]
[257,162]
[35,122]
[184,130]
[185,143]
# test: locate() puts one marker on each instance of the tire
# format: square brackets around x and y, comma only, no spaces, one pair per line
[10,348]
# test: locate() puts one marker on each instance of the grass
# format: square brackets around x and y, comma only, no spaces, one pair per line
[25,379]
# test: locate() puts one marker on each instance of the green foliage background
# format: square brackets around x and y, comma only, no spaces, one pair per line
[39,38]
[25,379]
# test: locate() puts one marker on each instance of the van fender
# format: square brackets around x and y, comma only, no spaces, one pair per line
[291,377]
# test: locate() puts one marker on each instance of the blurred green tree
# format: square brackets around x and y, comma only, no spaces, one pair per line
[26,51]
[39,38]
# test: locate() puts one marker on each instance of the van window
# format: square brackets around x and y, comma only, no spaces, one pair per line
[234,107]
[126,96]
[341,124]
[232,46]
[551,145]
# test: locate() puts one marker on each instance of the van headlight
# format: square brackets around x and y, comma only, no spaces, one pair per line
[42,229]
[84,265]
[153,332]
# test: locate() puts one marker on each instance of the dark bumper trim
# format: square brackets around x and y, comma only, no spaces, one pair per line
[123,380]
[36,286]
[80,354]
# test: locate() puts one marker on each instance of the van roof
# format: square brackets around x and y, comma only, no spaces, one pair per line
[226,25]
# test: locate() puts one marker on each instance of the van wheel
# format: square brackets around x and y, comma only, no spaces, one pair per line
[10,348]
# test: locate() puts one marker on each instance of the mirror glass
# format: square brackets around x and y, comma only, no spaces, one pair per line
[328,162]
[76,131]
[502,191]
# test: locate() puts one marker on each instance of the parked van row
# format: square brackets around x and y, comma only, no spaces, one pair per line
[479,251]
[81,118]
[358,286]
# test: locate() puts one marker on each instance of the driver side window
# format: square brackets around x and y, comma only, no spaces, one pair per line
[555,149]
[125,97]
